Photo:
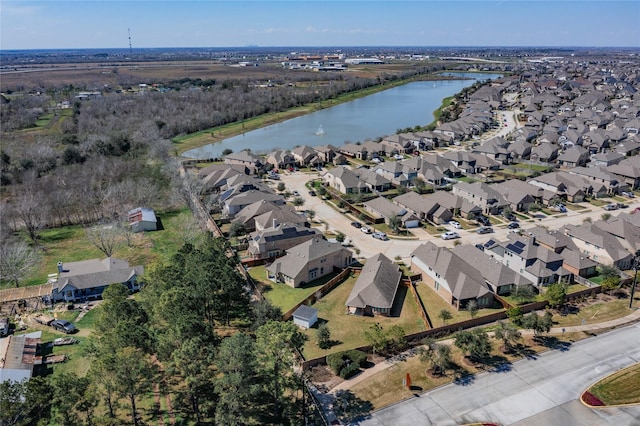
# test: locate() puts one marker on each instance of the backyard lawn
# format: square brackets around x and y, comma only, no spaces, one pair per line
[434,304]
[69,244]
[595,313]
[280,294]
[348,330]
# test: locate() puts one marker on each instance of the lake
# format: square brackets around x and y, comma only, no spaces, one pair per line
[373,116]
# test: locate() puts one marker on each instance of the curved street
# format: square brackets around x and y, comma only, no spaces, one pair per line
[534,392]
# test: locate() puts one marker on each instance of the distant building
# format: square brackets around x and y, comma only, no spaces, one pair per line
[143,219]
[18,356]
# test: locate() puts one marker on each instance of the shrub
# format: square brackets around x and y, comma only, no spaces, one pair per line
[346,363]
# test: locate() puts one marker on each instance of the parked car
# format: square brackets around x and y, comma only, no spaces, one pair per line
[4,326]
[312,193]
[398,157]
[64,326]
[485,230]
[366,229]
[455,224]
[356,224]
[483,220]
[512,217]
[513,225]
[480,246]
[450,235]
[622,205]
[628,194]
[380,236]
[610,207]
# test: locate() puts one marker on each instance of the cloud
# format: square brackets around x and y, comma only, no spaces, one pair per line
[14,10]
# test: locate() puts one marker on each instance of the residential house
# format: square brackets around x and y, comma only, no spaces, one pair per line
[625,227]
[544,152]
[606,159]
[535,262]
[309,261]
[374,182]
[520,195]
[568,186]
[246,217]
[376,287]
[481,195]
[280,160]
[383,208]
[520,150]
[282,214]
[354,151]
[455,280]
[397,173]
[87,279]
[245,158]
[600,245]
[628,170]
[142,219]
[344,180]
[326,153]
[401,144]
[236,201]
[276,240]
[574,157]
[305,156]
[217,179]
[600,176]
[496,149]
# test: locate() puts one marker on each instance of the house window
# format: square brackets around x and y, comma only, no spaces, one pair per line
[437,285]
[313,273]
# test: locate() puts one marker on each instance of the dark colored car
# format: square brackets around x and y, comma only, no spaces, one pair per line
[356,225]
[513,225]
[64,326]
[485,230]
[483,220]
[312,193]
[512,217]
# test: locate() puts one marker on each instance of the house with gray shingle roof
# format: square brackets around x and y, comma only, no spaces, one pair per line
[600,245]
[455,280]
[87,279]
[574,157]
[275,240]
[345,180]
[376,287]
[481,195]
[309,261]
[383,208]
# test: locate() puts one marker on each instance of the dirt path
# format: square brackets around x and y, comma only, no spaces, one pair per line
[157,406]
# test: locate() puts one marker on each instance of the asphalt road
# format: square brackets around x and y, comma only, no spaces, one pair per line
[534,392]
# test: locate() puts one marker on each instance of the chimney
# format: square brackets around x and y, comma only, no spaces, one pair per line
[60,267]
[275,222]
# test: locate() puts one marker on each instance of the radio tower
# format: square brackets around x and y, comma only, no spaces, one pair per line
[130,50]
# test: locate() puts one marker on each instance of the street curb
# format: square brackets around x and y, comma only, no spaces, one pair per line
[634,404]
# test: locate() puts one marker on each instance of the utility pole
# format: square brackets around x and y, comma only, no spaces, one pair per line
[130,50]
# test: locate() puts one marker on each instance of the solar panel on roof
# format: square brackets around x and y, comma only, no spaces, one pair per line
[489,243]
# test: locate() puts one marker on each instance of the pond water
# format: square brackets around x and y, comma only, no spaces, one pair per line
[373,116]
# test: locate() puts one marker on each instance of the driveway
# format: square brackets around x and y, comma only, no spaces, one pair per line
[542,391]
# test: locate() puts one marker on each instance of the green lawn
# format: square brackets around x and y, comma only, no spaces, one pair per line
[434,304]
[592,314]
[619,388]
[348,330]
[69,244]
[280,294]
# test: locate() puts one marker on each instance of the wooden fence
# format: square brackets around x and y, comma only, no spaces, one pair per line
[310,300]
[423,310]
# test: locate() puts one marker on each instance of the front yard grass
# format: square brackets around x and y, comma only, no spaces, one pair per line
[347,331]
[433,303]
[619,388]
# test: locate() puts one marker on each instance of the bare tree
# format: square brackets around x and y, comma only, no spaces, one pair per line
[16,260]
[29,209]
[105,238]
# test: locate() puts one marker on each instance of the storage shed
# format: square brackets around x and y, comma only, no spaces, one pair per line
[305,316]
[143,219]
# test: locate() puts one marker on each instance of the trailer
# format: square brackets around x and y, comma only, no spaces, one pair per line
[43,319]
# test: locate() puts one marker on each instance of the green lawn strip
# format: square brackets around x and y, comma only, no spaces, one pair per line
[87,321]
[434,304]
[348,330]
[619,388]
[593,314]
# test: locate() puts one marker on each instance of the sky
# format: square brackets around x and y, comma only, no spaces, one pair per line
[56,24]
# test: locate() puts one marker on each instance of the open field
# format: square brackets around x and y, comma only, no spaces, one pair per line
[69,244]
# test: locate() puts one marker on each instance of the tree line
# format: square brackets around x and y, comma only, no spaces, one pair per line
[169,337]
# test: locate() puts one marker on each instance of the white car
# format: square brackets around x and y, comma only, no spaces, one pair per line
[455,224]
[398,157]
[366,230]
[450,235]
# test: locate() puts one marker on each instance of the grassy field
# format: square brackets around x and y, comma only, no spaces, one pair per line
[598,312]
[69,244]
[348,330]
[619,388]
